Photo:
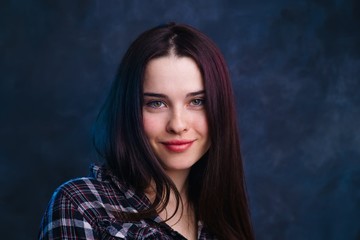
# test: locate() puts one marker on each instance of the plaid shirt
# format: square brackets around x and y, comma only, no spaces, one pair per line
[84,208]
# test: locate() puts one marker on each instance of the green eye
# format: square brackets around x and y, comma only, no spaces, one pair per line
[197,102]
[155,104]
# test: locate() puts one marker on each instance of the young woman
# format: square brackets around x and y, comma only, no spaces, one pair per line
[173,165]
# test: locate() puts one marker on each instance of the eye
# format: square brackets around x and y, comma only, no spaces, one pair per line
[155,104]
[197,102]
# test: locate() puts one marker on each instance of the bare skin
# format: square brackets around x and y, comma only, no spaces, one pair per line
[175,124]
[184,220]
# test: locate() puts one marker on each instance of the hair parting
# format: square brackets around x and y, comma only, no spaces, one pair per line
[216,183]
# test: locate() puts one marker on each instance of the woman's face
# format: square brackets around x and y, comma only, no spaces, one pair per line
[174,114]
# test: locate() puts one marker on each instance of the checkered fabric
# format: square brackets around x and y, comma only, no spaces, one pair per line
[86,208]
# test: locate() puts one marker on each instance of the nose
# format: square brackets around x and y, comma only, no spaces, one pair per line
[177,123]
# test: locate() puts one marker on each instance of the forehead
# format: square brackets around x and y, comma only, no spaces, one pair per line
[172,73]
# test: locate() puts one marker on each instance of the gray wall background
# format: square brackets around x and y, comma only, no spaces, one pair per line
[295,68]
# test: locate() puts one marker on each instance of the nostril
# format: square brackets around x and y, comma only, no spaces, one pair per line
[177,126]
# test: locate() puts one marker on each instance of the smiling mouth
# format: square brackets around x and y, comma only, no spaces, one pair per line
[178,146]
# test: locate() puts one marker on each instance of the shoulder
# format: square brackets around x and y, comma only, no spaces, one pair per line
[92,196]
[100,194]
[80,189]
[69,213]
[97,204]
[81,206]
[100,186]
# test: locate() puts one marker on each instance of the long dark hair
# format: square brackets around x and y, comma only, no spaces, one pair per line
[216,182]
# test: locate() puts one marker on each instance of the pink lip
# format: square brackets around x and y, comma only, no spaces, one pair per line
[178,145]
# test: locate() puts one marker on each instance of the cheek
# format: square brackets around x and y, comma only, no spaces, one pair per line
[152,126]
[201,125]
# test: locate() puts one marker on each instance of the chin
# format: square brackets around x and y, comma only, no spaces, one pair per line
[178,165]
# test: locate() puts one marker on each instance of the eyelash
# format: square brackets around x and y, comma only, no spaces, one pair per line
[202,101]
[152,104]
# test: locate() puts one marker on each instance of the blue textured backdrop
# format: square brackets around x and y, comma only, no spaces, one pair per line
[295,67]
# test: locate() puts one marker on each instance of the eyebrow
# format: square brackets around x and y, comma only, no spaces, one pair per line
[160,95]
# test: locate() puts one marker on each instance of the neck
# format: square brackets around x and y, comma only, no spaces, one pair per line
[179,178]
[180,181]
[184,219]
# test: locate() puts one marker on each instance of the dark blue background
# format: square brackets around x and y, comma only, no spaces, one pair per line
[295,68]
